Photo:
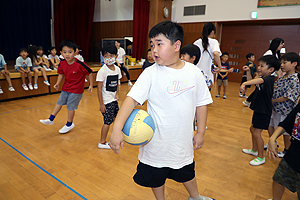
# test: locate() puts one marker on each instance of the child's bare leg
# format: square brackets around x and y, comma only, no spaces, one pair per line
[224,89]
[259,142]
[22,77]
[29,77]
[7,78]
[159,192]
[104,132]
[71,114]
[254,143]
[219,89]
[36,75]
[56,109]
[278,191]
[44,74]
[192,188]
[287,141]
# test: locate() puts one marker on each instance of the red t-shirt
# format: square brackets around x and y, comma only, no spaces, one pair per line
[74,75]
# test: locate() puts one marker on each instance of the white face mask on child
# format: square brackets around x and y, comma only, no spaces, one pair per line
[109,61]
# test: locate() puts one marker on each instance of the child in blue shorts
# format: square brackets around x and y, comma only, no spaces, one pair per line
[175,91]
[108,90]
[74,72]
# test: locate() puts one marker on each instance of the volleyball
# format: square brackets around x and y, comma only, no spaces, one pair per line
[139,128]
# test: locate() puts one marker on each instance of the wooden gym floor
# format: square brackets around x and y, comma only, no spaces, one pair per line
[36,162]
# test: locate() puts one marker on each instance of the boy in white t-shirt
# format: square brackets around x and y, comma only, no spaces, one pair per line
[108,90]
[23,65]
[175,91]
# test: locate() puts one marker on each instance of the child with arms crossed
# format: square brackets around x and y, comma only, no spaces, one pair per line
[261,105]
[108,91]
[223,75]
[74,72]
[169,154]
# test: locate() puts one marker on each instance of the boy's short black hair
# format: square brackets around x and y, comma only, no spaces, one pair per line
[109,48]
[225,53]
[39,48]
[148,50]
[23,49]
[271,61]
[51,48]
[249,55]
[292,57]
[68,43]
[191,50]
[171,30]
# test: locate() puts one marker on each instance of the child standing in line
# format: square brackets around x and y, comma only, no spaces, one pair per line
[175,91]
[74,72]
[248,66]
[285,96]
[5,72]
[108,91]
[191,53]
[223,75]
[23,64]
[53,58]
[261,105]
[287,174]
[42,58]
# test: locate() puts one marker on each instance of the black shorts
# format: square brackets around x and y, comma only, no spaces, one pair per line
[244,79]
[287,177]
[260,120]
[153,177]
[111,112]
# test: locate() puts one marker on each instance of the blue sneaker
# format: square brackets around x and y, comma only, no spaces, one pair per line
[224,96]
[218,95]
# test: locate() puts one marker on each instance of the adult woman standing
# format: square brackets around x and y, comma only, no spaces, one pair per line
[275,47]
[210,50]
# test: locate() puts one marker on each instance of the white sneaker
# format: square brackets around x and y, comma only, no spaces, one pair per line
[35,86]
[281,154]
[66,128]
[250,152]
[48,69]
[25,87]
[103,146]
[257,162]
[1,91]
[201,198]
[30,86]
[266,145]
[246,103]
[11,88]
[47,83]
[241,94]
[47,121]
[129,83]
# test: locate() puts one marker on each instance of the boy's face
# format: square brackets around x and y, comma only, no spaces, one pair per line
[163,51]
[53,52]
[252,58]
[68,54]
[24,54]
[263,69]
[287,66]
[224,58]
[186,57]
[40,52]
[149,56]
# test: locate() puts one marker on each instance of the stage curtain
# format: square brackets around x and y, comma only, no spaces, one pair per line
[24,23]
[140,27]
[73,19]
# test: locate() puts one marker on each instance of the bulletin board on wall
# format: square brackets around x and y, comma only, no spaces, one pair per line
[275,3]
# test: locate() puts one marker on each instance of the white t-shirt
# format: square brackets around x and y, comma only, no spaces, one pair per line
[110,82]
[121,53]
[79,57]
[44,56]
[50,57]
[20,62]
[206,59]
[173,95]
